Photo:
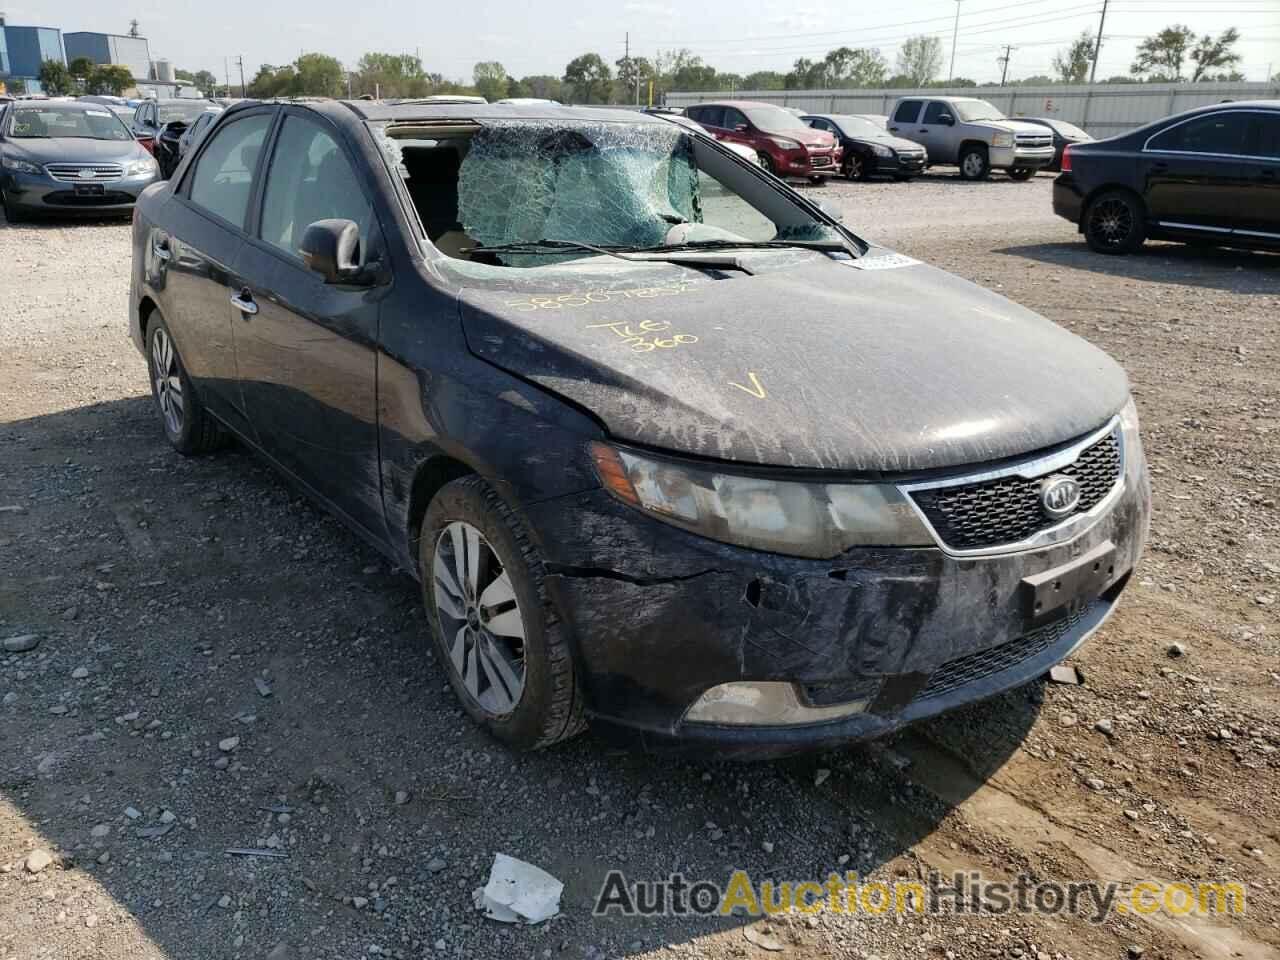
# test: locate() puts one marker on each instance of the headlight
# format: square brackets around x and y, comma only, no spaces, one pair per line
[141,168]
[804,519]
[1002,140]
[881,151]
[786,144]
[21,166]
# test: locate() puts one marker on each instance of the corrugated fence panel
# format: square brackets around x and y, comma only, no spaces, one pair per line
[1104,110]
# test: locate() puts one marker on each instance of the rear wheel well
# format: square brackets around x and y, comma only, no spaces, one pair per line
[1111,188]
[427,482]
[145,309]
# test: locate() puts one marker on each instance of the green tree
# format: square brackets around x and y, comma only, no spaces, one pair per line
[204,81]
[55,78]
[111,79]
[81,68]
[271,82]
[920,59]
[543,87]
[846,67]
[588,78]
[634,74]
[1073,63]
[390,75]
[1160,57]
[491,79]
[319,75]
[1213,53]
[764,80]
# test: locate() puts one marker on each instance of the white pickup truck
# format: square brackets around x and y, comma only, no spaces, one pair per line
[972,134]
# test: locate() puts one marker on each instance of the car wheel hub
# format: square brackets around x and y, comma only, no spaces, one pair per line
[973,164]
[1112,221]
[164,370]
[479,618]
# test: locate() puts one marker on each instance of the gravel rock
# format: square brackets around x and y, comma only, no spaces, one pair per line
[229,744]
[37,861]
[22,643]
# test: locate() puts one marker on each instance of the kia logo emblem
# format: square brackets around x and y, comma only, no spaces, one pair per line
[1059,496]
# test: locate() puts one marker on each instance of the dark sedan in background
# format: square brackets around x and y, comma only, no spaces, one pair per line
[152,116]
[1210,176]
[1064,134]
[870,150]
[173,141]
[60,156]
[547,358]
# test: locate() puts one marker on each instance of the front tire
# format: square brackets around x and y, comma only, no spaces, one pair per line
[855,167]
[1021,173]
[187,425]
[764,162]
[498,636]
[974,163]
[1114,224]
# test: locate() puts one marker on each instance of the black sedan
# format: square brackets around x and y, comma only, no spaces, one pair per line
[176,136]
[871,150]
[668,448]
[1064,134]
[1211,175]
[59,156]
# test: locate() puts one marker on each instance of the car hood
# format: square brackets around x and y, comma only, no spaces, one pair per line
[72,150]
[889,140]
[809,137]
[881,364]
[1018,126]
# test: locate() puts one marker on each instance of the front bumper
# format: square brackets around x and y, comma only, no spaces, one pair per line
[657,617]
[899,165]
[1004,158]
[39,193]
[810,163]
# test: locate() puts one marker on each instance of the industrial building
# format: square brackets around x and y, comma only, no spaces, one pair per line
[23,49]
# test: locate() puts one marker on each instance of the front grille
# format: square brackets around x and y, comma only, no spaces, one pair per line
[961,671]
[71,172]
[1008,509]
[1034,141]
[821,160]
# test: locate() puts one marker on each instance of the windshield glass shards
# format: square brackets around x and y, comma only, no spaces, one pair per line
[492,192]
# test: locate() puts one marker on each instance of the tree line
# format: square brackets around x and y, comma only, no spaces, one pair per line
[1174,54]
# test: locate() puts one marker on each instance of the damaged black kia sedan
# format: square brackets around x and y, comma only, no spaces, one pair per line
[670,450]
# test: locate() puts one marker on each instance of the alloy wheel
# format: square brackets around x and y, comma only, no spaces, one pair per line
[479,618]
[973,165]
[168,381]
[1111,221]
[853,167]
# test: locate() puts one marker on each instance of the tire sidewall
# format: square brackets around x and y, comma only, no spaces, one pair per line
[184,440]
[986,164]
[525,726]
[1136,235]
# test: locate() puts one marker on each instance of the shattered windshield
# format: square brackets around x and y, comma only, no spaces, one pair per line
[977,110]
[617,186]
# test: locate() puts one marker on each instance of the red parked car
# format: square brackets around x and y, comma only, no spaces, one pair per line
[784,144]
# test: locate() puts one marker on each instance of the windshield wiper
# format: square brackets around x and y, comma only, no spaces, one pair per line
[834,246]
[632,254]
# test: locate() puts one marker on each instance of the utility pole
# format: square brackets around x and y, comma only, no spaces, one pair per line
[240,61]
[226,72]
[1097,47]
[1004,62]
[955,32]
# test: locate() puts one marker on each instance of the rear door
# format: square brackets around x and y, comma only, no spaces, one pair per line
[196,246]
[306,349]
[1262,176]
[904,120]
[1193,174]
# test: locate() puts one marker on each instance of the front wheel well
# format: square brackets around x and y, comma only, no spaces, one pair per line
[431,477]
[145,309]
[966,144]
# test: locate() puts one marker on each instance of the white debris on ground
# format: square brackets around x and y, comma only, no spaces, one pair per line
[518,892]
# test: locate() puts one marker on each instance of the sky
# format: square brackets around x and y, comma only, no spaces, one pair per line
[733,35]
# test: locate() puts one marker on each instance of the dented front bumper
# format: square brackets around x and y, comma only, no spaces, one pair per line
[658,617]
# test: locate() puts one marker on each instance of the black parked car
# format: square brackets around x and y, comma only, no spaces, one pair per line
[1205,176]
[871,150]
[176,138]
[1063,134]
[63,156]
[667,447]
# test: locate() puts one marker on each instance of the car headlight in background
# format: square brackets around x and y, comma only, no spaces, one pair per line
[141,168]
[803,519]
[1002,140]
[786,144]
[20,166]
[880,150]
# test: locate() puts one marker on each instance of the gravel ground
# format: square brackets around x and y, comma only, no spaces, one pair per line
[222,664]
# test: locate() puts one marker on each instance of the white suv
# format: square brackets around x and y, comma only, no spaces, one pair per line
[974,135]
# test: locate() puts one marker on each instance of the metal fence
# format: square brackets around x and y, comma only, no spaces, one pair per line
[1104,110]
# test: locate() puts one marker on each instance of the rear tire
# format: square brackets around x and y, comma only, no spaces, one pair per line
[187,425]
[1021,173]
[974,163]
[1114,223]
[500,640]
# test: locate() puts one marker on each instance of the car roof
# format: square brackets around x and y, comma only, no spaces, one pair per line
[740,104]
[379,111]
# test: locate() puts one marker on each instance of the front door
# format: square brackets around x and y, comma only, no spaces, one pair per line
[195,246]
[1193,174]
[306,349]
[935,134]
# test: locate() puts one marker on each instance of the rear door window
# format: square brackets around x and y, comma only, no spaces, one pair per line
[907,111]
[1220,133]
[223,178]
[310,179]
[1267,135]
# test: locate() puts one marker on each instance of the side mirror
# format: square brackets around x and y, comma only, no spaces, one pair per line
[741,128]
[947,120]
[331,248]
[831,210]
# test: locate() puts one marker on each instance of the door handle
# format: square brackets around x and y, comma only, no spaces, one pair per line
[1268,174]
[161,249]
[243,301]
[893,129]
[923,130]
[1159,165]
